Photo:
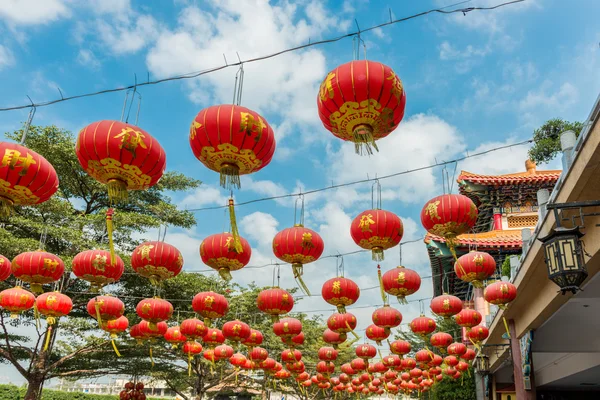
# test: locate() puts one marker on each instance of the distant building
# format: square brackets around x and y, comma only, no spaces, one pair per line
[115,386]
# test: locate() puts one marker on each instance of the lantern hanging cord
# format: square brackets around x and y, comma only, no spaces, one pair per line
[28,123]
[352,183]
[133,92]
[376,194]
[301,220]
[196,74]
[239,83]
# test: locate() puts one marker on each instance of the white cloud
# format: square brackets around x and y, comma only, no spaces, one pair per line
[87,58]
[498,162]
[549,96]
[6,57]
[33,12]
[128,33]
[202,196]
[464,59]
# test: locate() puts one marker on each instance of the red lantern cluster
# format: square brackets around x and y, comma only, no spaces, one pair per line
[157,261]
[220,253]
[340,292]
[37,268]
[133,391]
[96,267]
[377,230]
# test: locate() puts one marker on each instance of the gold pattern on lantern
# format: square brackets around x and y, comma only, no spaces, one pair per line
[285,299]
[51,300]
[365,223]
[13,159]
[236,328]
[432,210]
[401,279]
[478,260]
[472,212]
[131,139]
[446,304]
[336,287]
[397,88]
[99,262]
[208,301]
[50,264]
[250,125]
[326,89]
[145,251]
[146,307]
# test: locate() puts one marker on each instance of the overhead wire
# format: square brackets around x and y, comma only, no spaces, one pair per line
[240,62]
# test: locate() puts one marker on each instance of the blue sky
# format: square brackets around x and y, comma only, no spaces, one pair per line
[473,82]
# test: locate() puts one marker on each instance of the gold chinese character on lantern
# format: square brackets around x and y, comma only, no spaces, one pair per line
[208,301]
[365,223]
[50,264]
[401,278]
[145,251]
[99,262]
[131,139]
[307,240]
[336,287]
[251,125]
[13,159]
[432,210]
[326,89]
[396,89]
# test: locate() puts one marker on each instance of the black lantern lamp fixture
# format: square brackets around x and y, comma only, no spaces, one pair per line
[563,252]
[482,364]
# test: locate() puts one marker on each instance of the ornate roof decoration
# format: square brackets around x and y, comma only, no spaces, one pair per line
[497,238]
[531,176]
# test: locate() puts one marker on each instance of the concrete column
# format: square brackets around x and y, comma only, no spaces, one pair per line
[567,144]
[515,349]
[543,195]
[497,221]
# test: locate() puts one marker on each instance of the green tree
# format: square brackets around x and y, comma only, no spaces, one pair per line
[73,221]
[546,139]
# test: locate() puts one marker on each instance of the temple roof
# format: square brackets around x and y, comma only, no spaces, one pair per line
[497,238]
[532,175]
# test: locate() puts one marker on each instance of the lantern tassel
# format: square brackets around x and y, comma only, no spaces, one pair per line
[225,273]
[237,244]
[298,271]
[6,207]
[230,176]
[506,326]
[151,359]
[477,346]
[452,247]
[402,299]
[98,317]
[109,230]
[36,315]
[117,191]
[189,364]
[351,331]
[341,308]
[377,254]
[364,143]
[114,345]
[380,283]
[48,335]
[37,288]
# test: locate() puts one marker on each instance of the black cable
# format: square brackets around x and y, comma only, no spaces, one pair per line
[196,74]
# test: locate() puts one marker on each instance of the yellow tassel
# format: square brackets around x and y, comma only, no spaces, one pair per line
[151,359]
[380,283]
[36,315]
[237,244]
[189,364]
[452,248]
[230,176]
[377,254]
[298,271]
[98,317]
[6,207]
[363,139]
[109,230]
[114,345]
[117,191]
[351,331]
[225,273]
[48,334]
[506,326]
[237,371]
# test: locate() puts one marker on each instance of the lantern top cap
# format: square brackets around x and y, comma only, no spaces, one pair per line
[561,231]
[298,226]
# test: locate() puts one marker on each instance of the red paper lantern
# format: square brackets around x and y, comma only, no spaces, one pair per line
[446,305]
[53,305]
[157,261]
[223,351]
[210,305]
[192,348]
[361,101]
[174,336]
[451,361]
[219,252]
[105,308]
[457,349]
[237,360]
[154,310]
[500,293]
[468,355]
[358,364]
[254,339]
[340,292]
[422,325]
[297,340]
[327,354]
[115,326]
[478,334]
[325,367]
[287,328]
[376,230]
[37,268]
[192,328]
[136,333]
[424,356]
[232,140]
[27,178]
[400,347]
[441,340]
[392,361]
[149,330]
[209,355]
[401,282]
[120,155]
[16,300]
[377,334]
[344,378]
[449,215]
[258,354]
[291,355]
[275,302]
[236,331]
[342,323]
[462,366]
[5,268]
[96,267]
[386,317]
[366,351]
[475,267]
[213,337]
[468,318]
[268,364]
[333,338]
[408,364]
[298,246]
[282,374]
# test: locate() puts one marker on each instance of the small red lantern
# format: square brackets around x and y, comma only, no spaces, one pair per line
[96,267]
[210,305]
[282,374]
[347,369]
[258,354]
[468,355]
[462,366]
[236,331]
[358,364]
[174,336]
[401,282]
[408,364]
[400,347]
[191,348]
[448,216]
[297,340]
[500,293]
[268,364]
[326,368]
[223,352]
[333,338]
[298,246]
[105,308]
[16,300]
[136,333]
[377,230]
[392,361]
[468,318]
[154,310]
[192,328]
[340,292]
[446,305]
[237,360]
[213,337]
[451,361]
[441,340]
[275,302]
[115,326]
[27,178]
[209,355]
[424,356]
[387,317]
[361,101]
[377,334]
[157,261]
[422,326]
[291,356]
[457,349]
[366,351]
[37,268]
[287,328]
[255,339]
[478,334]
[53,305]
[247,147]
[475,267]
[5,268]
[342,323]
[149,330]
[222,252]
[344,378]
[327,354]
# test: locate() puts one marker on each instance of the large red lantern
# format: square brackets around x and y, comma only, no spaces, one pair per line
[448,216]
[210,305]
[220,252]
[342,323]
[27,178]
[366,351]
[53,305]
[149,330]
[401,282]
[377,334]
[377,230]
[157,261]
[468,318]
[386,317]
[298,246]
[192,328]
[475,267]
[174,336]
[16,300]
[213,337]
[457,349]
[258,354]
[500,293]
[400,347]
[441,340]
[236,331]
[120,155]
[422,325]
[154,310]
[105,308]
[275,302]
[327,354]
[254,339]
[361,101]
[290,356]
[115,326]
[287,328]
[96,267]
[446,305]
[340,292]
[5,268]
[333,338]
[232,140]
[478,334]
[37,268]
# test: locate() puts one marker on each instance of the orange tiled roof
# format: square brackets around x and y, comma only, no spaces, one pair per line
[496,238]
[510,179]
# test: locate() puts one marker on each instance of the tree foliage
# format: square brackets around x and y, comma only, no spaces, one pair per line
[547,139]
